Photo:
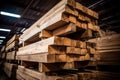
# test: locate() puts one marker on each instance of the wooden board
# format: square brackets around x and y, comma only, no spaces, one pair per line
[47,67]
[42,76]
[14,38]
[67,29]
[43,49]
[45,34]
[45,57]
[93,27]
[87,11]
[73,50]
[31,73]
[11,55]
[12,45]
[23,76]
[43,45]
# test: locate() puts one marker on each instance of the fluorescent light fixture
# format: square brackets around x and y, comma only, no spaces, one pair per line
[7,30]
[1,40]
[9,14]
[23,29]
[2,37]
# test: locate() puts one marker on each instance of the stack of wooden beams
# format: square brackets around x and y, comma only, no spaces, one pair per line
[50,44]
[108,49]
[10,65]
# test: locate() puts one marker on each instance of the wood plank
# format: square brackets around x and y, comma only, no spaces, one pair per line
[81,25]
[93,27]
[109,38]
[87,11]
[45,34]
[71,3]
[81,17]
[107,47]
[73,50]
[14,38]
[72,57]
[25,76]
[87,34]
[46,21]
[43,45]
[11,55]
[83,51]
[108,56]
[12,45]
[37,57]
[43,49]
[72,19]
[67,29]
[83,45]
[46,58]
[108,51]
[32,73]
[91,50]
[87,57]
[47,67]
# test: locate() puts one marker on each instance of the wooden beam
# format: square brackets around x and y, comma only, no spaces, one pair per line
[11,55]
[43,46]
[14,38]
[45,34]
[12,45]
[87,11]
[67,29]
[32,73]
[45,57]
[42,49]
[83,51]
[73,50]
[24,76]
[47,67]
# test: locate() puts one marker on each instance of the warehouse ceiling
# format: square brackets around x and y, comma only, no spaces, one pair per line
[32,10]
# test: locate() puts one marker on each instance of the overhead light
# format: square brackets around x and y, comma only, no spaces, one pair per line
[2,37]
[7,30]
[9,14]
[23,29]
[1,40]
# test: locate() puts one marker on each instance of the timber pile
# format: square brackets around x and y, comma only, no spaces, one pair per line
[57,42]
[108,49]
[10,64]
[12,47]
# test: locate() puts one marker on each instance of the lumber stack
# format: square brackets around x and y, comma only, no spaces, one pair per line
[107,50]
[10,63]
[57,41]
[12,47]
